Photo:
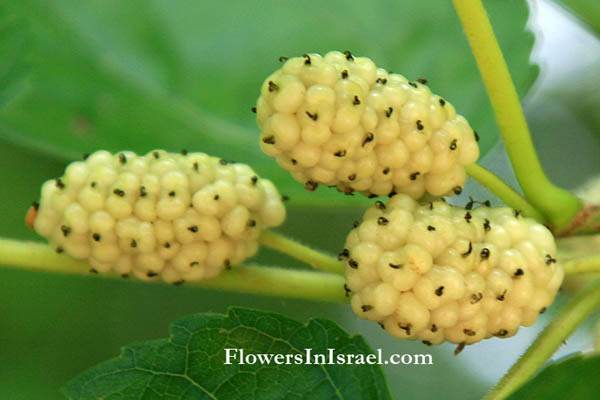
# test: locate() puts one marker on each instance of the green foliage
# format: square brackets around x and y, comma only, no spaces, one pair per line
[14,42]
[573,377]
[588,11]
[140,75]
[191,363]
[76,76]
[576,95]
[581,97]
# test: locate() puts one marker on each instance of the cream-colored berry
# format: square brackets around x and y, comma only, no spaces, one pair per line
[174,216]
[446,315]
[438,273]
[117,206]
[340,121]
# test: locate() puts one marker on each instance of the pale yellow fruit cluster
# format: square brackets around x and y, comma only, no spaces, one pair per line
[438,273]
[338,120]
[180,217]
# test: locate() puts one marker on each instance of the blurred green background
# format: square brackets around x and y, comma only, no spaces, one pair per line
[76,76]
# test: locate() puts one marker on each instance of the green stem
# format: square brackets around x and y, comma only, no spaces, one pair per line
[558,205]
[503,191]
[582,265]
[269,281]
[562,326]
[301,252]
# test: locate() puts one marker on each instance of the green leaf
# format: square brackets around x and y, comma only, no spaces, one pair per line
[151,74]
[14,62]
[588,12]
[573,377]
[581,96]
[191,363]
[20,189]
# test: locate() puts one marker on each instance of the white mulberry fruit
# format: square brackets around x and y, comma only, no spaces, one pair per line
[180,217]
[340,121]
[438,273]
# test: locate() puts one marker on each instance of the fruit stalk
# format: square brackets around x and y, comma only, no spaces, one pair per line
[558,205]
[301,252]
[269,281]
[582,265]
[501,189]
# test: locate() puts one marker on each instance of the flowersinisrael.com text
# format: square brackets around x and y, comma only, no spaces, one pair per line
[239,356]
